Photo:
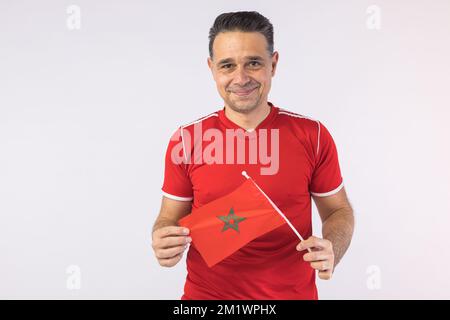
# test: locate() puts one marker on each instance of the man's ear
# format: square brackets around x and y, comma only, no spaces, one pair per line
[275,57]
[210,65]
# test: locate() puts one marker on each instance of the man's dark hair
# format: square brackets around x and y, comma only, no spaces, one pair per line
[245,21]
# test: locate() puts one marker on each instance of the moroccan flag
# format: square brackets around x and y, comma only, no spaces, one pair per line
[223,226]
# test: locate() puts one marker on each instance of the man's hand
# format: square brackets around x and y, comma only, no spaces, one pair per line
[169,244]
[321,256]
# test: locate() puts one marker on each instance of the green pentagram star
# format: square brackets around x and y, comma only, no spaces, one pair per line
[231,221]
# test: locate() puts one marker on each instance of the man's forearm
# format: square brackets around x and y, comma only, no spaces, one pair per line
[338,229]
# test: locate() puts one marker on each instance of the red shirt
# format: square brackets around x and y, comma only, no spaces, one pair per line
[268,267]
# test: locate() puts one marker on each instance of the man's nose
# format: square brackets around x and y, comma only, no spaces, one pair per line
[241,76]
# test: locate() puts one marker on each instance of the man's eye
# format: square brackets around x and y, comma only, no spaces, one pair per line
[255,63]
[226,66]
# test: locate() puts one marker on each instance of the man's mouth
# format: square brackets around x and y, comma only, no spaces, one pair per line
[243,92]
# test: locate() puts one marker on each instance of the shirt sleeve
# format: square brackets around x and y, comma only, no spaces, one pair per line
[326,178]
[177,185]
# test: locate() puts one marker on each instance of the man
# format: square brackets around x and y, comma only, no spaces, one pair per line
[275,265]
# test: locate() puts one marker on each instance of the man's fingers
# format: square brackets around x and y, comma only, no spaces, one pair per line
[316,256]
[320,257]
[325,275]
[171,261]
[170,242]
[171,252]
[312,242]
[321,265]
[171,231]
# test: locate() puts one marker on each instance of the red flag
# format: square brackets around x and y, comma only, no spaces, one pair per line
[224,225]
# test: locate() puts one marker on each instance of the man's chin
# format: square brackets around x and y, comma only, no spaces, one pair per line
[243,106]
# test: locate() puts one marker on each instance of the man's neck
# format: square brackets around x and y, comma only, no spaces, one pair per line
[249,120]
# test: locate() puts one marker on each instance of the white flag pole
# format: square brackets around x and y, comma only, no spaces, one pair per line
[244,173]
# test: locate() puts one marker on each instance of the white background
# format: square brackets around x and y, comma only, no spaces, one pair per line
[85,117]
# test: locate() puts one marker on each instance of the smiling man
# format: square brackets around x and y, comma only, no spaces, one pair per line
[276,265]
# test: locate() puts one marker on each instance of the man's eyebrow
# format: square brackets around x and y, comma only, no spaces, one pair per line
[251,58]
[224,61]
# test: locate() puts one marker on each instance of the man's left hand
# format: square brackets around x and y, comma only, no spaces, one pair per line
[321,256]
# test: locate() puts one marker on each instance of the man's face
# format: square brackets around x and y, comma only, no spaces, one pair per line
[242,68]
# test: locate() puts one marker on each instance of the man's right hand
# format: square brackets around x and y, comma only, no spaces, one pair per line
[169,244]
